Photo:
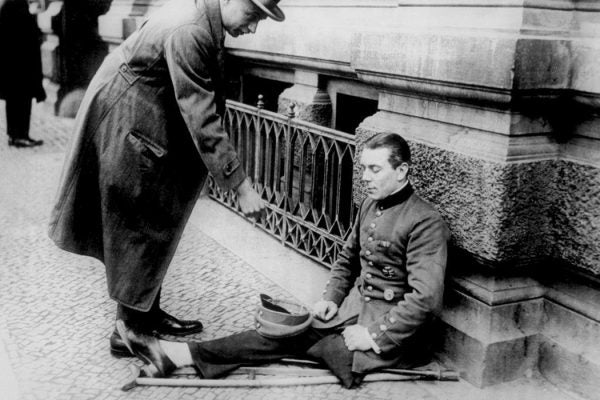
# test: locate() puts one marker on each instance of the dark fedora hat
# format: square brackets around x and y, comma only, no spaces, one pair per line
[270,8]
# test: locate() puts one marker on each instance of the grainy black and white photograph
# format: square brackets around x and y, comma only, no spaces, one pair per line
[299,199]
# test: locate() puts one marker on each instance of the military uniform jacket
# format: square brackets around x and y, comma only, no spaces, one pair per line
[147,132]
[389,277]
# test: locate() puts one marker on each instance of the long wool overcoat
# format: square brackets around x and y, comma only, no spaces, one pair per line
[20,61]
[147,133]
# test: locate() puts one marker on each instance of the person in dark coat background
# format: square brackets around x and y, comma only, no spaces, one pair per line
[20,69]
[147,133]
[378,307]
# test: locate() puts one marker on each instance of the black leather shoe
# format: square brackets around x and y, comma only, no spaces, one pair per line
[118,348]
[169,325]
[26,142]
[147,348]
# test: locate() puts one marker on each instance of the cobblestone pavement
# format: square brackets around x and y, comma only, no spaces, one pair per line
[56,317]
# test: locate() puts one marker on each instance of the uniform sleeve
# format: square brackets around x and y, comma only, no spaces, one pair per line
[426,257]
[187,52]
[346,268]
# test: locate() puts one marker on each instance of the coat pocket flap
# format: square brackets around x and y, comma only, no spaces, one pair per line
[156,149]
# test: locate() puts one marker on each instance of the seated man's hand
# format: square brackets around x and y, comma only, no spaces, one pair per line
[325,310]
[250,202]
[357,337]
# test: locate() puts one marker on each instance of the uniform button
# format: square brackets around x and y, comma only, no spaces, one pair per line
[123,68]
[368,252]
[381,207]
[392,320]
[369,287]
[373,335]
[257,326]
[367,298]
[370,263]
[372,225]
[370,239]
[378,213]
[383,328]
[388,294]
[369,276]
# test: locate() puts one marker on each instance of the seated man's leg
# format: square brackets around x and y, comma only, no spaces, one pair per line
[214,357]
[217,357]
[332,351]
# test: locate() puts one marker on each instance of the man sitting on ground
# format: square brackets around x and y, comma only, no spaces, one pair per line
[377,308]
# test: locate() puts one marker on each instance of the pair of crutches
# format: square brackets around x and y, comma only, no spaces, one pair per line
[298,372]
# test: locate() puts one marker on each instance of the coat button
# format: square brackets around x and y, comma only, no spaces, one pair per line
[257,325]
[369,276]
[123,68]
[368,252]
[392,320]
[378,213]
[370,239]
[388,294]
[370,263]
[367,298]
[372,225]
[373,335]
[383,328]
[369,287]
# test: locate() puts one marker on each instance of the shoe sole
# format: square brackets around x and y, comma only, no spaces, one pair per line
[186,333]
[121,353]
[121,330]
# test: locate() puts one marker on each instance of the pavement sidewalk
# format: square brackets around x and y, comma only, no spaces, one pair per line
[56,317]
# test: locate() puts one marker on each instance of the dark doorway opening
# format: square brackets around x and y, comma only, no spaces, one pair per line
[351,111]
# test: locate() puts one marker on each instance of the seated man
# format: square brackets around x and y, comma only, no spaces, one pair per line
[378,305]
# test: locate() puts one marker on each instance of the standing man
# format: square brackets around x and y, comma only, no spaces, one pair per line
[148,132]
[379,303]
[20,69]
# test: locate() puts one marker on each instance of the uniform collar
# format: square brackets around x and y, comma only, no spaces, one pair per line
[213,11]
[397,197]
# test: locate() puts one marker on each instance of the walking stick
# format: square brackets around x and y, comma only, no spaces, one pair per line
[300,376]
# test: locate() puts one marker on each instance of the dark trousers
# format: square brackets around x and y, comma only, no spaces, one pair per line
[218,357]
[140,320]
[18,114]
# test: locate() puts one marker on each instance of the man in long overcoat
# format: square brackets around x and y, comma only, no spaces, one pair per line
[20,69]
[148,131]
[380,301]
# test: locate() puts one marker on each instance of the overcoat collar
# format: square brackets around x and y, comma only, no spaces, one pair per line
[213,11]
[396,198]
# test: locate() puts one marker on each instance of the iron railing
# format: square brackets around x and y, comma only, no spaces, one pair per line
[302,170]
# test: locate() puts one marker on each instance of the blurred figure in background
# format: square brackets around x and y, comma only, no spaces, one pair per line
[20,69]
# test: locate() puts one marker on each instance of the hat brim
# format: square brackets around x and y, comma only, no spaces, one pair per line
[273,12]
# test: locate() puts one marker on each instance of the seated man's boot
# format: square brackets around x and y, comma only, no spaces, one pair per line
[166,324]
[117,346]
[147,348]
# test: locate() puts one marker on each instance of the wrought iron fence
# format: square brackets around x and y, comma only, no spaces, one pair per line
[302,170]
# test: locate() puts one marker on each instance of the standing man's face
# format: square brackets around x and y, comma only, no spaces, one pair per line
[381,178]
[240,16]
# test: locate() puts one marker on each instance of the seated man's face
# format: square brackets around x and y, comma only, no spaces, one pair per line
[240,16]
[380,177]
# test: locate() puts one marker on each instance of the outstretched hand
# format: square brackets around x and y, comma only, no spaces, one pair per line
[250,202]
[325,310]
